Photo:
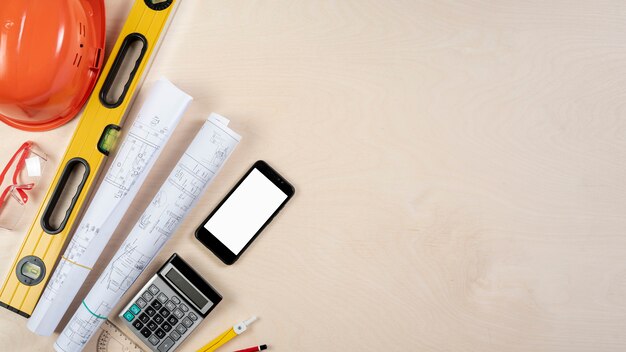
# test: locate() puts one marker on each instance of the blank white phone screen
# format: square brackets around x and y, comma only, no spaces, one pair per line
[245,211]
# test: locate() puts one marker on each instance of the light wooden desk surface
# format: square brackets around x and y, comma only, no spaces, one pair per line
[459,166]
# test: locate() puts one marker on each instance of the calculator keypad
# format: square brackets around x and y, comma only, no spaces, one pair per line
[172,320]
[160,317]
[152,325]
[156,305]
[166,345]
[137,324]
[153,289]
[181,329]
[160,333]
[187,322]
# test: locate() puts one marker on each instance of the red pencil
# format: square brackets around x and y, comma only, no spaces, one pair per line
[253,349]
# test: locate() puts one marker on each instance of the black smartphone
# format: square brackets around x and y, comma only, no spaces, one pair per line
[244,212]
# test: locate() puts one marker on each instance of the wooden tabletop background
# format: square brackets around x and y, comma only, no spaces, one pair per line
[460,170]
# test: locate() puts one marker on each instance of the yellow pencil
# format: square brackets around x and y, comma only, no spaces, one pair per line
[227,335]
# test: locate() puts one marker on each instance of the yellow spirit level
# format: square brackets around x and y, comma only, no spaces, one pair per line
[92,141]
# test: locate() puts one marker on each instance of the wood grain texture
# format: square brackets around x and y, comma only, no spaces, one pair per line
[459,168]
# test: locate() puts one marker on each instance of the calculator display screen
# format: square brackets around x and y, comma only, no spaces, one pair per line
[185,287]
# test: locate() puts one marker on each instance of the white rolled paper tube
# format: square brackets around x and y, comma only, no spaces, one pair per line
[150,131]
[202,160]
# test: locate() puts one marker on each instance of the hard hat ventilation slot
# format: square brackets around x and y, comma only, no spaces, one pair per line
[77,60]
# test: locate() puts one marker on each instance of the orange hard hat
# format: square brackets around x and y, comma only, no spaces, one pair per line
[51,53]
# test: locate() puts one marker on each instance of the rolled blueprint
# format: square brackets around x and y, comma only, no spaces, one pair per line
[188,180]
[152,128]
